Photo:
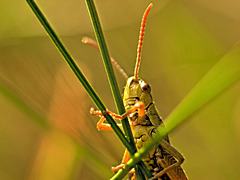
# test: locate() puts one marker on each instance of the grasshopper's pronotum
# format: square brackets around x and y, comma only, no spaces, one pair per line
[164,160]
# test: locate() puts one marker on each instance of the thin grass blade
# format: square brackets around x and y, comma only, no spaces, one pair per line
[112,79]
[74,67]
[108,65]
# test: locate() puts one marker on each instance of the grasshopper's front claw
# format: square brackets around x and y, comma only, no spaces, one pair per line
[95,112]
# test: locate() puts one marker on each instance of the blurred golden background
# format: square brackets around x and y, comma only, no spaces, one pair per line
[184,39]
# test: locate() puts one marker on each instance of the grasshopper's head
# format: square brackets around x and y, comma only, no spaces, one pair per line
[136,89]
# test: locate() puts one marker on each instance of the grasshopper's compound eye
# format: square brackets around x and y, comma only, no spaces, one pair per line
[145,87]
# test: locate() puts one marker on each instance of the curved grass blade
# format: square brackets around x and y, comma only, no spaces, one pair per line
[219,77]
[56,40]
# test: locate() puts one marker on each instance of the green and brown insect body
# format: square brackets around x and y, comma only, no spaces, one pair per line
[161,159]
[143,128]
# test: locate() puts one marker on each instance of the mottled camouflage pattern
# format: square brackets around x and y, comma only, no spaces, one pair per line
[144,128]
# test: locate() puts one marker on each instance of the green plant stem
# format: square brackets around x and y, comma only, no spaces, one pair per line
[70,61]
[221,76]
[108,66]
[111,78]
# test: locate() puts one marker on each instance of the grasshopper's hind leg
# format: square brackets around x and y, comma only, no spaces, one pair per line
[168,168]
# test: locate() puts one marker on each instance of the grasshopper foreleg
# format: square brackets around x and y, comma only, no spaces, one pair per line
[101,125]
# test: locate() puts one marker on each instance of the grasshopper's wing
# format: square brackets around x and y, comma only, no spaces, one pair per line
[170,160]
[154,117]
[166,154]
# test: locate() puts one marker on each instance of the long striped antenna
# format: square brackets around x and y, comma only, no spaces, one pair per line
[91,42]
[140,40]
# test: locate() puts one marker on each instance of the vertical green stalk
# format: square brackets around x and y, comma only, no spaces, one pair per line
[108,66]
[70,61]
[111,77]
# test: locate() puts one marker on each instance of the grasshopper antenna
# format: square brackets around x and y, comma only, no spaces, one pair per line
[140,40]
[91,42]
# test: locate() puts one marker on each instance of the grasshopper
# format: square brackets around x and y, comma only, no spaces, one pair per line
[164,161]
